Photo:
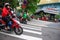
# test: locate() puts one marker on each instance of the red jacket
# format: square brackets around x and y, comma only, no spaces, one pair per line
[5,12]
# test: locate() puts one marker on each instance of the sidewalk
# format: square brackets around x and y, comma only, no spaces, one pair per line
[44,23]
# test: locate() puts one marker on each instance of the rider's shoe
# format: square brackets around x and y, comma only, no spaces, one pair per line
[6,28]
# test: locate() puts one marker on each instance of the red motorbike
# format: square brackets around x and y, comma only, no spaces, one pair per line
[16,27]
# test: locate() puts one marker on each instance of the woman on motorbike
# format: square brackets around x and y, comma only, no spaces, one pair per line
[6,12]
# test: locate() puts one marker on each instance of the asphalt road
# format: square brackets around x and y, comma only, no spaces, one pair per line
[32,32]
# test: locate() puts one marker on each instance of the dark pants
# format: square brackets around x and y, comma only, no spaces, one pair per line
[6,19]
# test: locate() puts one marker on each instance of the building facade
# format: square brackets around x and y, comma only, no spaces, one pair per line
[52,8]
[48,1]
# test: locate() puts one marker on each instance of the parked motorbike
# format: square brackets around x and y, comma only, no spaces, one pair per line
[16,27]
[22,20]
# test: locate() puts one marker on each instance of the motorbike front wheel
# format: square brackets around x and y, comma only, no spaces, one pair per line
[18,31]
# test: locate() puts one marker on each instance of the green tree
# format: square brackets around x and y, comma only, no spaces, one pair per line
[32,5]
[14,3]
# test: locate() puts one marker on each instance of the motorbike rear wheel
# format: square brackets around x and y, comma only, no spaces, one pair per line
[18,31]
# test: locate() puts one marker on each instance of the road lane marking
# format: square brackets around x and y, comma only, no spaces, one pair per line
[22,36]
[34,25]
[40,29]
[30,37]
[35,32]
[44,26]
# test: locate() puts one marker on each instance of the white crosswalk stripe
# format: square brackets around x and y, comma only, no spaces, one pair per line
[40,33]
[32,27]
[24,36]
